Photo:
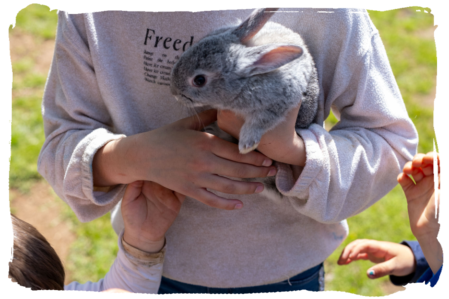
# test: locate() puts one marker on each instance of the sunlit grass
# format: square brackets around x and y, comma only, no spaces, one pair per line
[27,137]
[387,220]
[411,51]
[37,20]
[94,250]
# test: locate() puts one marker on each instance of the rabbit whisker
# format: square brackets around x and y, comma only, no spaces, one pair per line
[187,98]
[192,111]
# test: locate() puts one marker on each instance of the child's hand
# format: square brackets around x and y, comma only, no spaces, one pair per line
[148,210]
[180,157]
[115,290]
[422,207]
[281,144]
[421,197]
[391,258]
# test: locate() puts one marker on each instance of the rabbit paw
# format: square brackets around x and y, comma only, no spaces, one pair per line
[246,147]
[249,138]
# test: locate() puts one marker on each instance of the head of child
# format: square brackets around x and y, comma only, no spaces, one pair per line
[35,263]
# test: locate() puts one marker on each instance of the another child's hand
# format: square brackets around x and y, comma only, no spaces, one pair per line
[115,290]
[148,210]
[422,207]
[391,258]
[421,197]
[277,144]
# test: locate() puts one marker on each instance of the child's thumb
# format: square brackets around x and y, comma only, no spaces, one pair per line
[200,120]
[132,191]
[381,269]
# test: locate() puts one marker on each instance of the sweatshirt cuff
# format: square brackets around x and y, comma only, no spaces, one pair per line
[286,181]
[96,140]
[421,265]
[139,257]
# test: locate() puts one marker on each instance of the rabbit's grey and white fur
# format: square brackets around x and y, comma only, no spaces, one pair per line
[259,69]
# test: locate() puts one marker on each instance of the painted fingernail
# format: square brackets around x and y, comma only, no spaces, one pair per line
[259,189]
[371,272]
[238,206]
[267,162]
[272,172]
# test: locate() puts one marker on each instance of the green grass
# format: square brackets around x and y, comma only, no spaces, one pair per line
[387,220]
[95,249]
[27,137]
[412,55]
[22,66]
[37,20]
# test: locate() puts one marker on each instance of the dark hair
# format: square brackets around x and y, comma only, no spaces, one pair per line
[35,263]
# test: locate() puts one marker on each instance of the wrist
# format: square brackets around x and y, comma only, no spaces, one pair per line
[299,149]
[433,252]
[143,258]
[292,151]
[428,243]
[427,237]
[409,260]
[107,168]
[147,245]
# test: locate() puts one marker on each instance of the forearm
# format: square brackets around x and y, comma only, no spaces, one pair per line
[135,271]
[340,166]
[101,166]
[432,251]
[292,151]
[108,164]
[65,162]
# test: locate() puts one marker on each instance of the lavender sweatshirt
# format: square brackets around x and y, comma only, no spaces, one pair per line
[136,272]
[109,78]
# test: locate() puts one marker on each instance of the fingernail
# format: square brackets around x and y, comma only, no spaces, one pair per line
[238,206]
[272,172]
[267,162]
[259,189]
[371,272]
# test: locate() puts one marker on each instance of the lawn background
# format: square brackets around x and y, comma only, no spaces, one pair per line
[408,38]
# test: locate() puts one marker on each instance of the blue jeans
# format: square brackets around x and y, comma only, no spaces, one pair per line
[311,280]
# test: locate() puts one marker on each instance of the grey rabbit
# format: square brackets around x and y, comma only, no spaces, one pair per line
[258,69]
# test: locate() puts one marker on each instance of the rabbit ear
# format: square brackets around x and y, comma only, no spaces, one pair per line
[253,24]
[267,58]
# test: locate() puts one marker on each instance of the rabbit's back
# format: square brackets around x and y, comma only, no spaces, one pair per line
[298,79]
[273,33]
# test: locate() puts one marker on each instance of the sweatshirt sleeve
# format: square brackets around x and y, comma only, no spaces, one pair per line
[428,276]
[76,123]
[356,163]
[141,274]
[421,265]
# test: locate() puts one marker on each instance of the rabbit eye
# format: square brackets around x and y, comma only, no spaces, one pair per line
[199,80]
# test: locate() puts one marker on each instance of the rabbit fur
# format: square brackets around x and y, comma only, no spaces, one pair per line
[259,70]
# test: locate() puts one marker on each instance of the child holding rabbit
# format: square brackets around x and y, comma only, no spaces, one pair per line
[409,261]
[110,120]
